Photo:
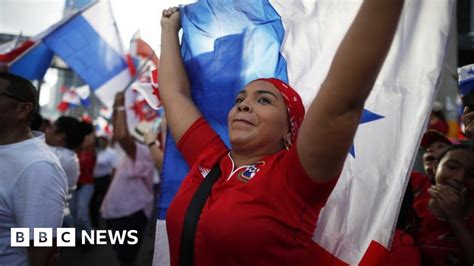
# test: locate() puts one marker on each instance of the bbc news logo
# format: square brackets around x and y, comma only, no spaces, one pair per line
[66,237]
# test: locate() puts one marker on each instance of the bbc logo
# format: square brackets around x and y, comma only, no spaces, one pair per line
[43,237]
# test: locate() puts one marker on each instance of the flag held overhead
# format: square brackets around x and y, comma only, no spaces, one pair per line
[227,44]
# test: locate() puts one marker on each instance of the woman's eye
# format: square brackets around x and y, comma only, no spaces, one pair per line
[238,101]
[263,100]
[451,166]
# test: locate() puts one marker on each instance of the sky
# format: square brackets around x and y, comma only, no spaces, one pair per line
[34,16]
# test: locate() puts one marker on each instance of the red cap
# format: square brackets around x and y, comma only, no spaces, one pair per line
[432,136]
[294,105]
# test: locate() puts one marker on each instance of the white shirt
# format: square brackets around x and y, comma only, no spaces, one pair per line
[131,189]
[106,162]
[70,164]
[33,190]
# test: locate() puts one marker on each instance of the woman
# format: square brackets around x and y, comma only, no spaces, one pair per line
[446,234]
[65,136]
[81,199]
[103,172]
[281,168]
[128,203]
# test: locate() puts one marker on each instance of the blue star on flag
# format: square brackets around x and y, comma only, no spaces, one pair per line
[471,72]
[367,116]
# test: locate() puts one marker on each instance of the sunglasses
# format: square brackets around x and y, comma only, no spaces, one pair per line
[13,97]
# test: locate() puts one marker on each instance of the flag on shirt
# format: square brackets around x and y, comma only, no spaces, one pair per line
[228,43]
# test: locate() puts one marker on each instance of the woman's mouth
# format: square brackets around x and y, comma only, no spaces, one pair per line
[242,121]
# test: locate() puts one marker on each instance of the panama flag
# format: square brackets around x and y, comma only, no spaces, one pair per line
[228,43]
[88,41]
[149,90]
[30,59]
[90,44]
[74,97]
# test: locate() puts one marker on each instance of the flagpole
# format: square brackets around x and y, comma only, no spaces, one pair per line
[18,40]
[138,72]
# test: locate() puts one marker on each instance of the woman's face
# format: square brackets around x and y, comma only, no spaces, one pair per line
[259,119]
[456,169]
[53,137]
[89,141]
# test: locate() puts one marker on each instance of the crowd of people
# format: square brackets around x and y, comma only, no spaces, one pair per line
[60,174]
[256,203]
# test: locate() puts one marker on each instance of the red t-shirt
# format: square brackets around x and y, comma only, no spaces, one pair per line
[420,183]
[437,242]
[87,160]
[261,214]
[403,251]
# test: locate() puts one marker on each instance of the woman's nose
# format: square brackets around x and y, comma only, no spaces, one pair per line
[243,107]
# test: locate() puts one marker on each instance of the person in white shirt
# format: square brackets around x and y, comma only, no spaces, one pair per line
[103,172]
[128,203]
[33,185]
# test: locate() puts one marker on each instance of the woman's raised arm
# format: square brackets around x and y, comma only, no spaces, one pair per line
[331,121]
[175,89]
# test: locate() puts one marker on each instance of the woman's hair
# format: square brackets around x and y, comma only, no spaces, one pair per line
[466,145]
[74,130]
[36,121]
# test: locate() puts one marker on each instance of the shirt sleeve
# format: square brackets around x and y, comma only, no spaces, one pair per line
[301,183]
[198,137]
[39,196]
[71,168]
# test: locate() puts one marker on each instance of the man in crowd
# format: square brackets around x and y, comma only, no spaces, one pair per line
[32,184]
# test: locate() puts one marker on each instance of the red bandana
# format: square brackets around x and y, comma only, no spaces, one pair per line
[293,103]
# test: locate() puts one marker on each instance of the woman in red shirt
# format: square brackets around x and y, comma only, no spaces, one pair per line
[281,169]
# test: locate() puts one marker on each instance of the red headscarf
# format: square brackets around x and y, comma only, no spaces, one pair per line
[294,105]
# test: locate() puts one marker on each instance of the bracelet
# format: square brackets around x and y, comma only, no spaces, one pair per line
[151,143]
[120,108]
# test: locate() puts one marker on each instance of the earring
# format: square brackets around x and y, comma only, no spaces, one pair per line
[287,144]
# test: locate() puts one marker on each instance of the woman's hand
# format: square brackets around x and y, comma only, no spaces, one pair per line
[170,18]
[449,201]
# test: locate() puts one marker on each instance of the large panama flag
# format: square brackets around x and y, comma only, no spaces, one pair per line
[229,43]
